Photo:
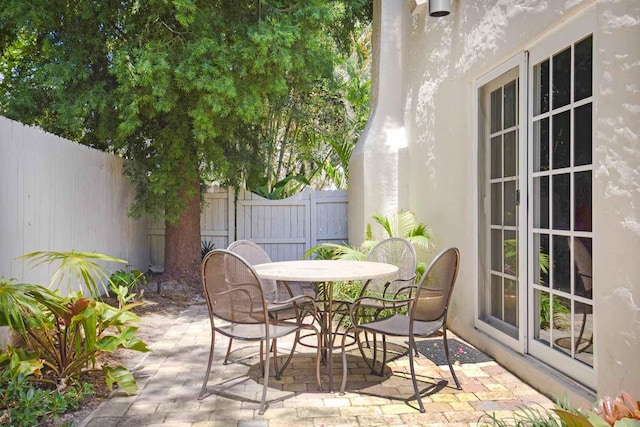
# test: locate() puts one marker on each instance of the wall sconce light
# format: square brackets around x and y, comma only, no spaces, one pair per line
[439,8]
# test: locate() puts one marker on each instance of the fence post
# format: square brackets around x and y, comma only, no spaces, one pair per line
[313,207]
[231,206]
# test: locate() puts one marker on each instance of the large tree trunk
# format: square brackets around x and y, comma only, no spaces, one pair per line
[182,239]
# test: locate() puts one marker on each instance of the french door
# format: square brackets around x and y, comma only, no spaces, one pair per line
[535,202]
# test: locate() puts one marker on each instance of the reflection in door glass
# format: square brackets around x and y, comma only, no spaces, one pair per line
[510,105]
[541,259]
[542,316]
[496,110]
[583,333]
[510,154]
[561,81]
[561,140]
[510,212]
[561,201]
[541,145]
[561,264]
[496,203]
[496,157]
[582,203]
[582,141]
[583,77]
[541,204]
[541,88]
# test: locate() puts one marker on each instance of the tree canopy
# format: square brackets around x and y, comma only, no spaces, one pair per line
[184,89]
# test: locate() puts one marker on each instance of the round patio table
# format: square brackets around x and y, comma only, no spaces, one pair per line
[324,273]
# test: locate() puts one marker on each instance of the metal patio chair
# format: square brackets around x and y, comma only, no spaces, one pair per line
[583,263]
[239,310]
[401,253]
[427,314]
[273,291]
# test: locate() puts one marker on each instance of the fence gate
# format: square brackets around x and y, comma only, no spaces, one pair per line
[285,228]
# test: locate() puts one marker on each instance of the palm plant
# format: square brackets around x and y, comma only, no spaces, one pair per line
[401,224]
[20,301]
[67,333]
[79,266]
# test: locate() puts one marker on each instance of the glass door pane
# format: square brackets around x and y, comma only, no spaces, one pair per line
[500,304]
[561,204]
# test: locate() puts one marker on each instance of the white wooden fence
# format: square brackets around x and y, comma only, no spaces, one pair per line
[284,228]
[59,195]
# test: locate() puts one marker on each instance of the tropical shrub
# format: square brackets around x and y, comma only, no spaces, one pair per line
[129,279]
[24,404]
[206,246]
[79,268]
[401,224]
[66,333]
[620,411]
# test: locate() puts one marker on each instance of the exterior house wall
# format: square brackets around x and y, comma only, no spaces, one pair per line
[380,156]
[441,59]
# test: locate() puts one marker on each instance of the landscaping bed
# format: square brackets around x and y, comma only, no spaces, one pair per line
[158,310]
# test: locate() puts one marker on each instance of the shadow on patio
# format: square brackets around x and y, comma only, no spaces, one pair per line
[171,376]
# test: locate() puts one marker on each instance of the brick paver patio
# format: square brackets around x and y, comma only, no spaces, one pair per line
[170,378]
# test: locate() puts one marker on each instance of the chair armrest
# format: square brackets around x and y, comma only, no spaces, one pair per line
[297,300]
[388,303]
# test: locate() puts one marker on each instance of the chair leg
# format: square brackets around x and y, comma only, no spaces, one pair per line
[370,364]
[318,353]
[286,362]
[206,375]
[446,352]
[356,333]
[274,348]
[579,338]
[384,354]
[413,375]
[265,380]
[226,356]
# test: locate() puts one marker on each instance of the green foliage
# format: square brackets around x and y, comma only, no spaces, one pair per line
[620,411]
[535,416]
[309,136]
[68,343]
[19,301]
[67,333]
[176,87]
[23,404]
[129,279]
[401,224]
[79,266]
[206,246]
[546,310]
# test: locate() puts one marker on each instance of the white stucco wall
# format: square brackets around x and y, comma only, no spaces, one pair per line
[380,156]
[616,215]
[441,59]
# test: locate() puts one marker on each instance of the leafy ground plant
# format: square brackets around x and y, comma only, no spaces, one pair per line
[67,333]
[128,279]
[22,403]
[619,411]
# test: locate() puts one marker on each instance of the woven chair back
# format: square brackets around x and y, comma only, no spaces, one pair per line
[399,252]
[435,287]
[254,254]
[232,288]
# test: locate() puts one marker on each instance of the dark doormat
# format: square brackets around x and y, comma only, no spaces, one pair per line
[458,351]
